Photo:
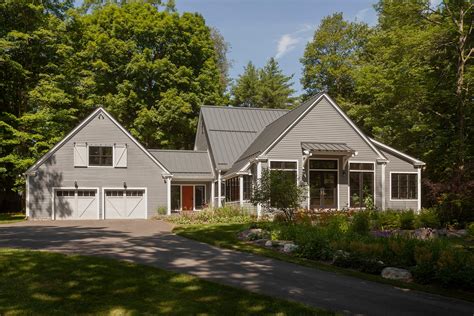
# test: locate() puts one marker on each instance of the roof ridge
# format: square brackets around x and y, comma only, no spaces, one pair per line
[229,107]
[178,150]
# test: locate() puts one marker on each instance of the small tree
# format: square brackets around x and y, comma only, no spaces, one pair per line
[278,191]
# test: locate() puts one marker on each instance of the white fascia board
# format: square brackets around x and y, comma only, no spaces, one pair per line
[415,161]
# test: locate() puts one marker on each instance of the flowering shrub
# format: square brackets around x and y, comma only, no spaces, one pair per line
[224,215]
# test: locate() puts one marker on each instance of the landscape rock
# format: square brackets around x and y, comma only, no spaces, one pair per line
[425,233]
[289,248]
[456,233]
[340,255]
[269,243]
[253,234]
[396,274]
[261,242]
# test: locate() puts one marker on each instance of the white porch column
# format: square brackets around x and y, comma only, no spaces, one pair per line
[383,186]
[213,193]
[419,189]
[168,194]
[219,189]
[259,177]
[241,189]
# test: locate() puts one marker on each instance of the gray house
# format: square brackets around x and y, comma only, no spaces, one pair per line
[99,171]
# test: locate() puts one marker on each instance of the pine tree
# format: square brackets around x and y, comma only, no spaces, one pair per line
[275,88]
[246,90]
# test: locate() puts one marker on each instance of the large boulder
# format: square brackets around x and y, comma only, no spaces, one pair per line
[289,248]
[397,274]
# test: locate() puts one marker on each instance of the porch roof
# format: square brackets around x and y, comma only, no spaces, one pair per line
[327,147]
[185,164]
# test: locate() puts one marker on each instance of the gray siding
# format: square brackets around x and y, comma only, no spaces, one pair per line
[59,170]
[324,124]
[396,164]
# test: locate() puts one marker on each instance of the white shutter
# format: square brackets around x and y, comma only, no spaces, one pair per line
[120,156]
[80,155]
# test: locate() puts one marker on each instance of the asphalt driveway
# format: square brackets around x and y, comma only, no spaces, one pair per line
[152,243]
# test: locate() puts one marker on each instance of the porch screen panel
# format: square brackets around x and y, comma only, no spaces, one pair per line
[404,186]
[175,197]
[199,196]
[361,183]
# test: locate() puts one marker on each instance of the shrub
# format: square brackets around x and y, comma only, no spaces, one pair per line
[360,223]
[161,210]
[470,229]
[407,219]
[386,220]
[427,218]
[276,191]
[455,268]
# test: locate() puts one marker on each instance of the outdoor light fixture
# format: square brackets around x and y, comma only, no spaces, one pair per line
[75,184]
[124,184]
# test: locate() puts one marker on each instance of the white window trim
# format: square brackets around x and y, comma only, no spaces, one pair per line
[349,180]
[53,197]
[404,200]
[286,160]
[101,145]
[123,189]
[194,194]
[337,178]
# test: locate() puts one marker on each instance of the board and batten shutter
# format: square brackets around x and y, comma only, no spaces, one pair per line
[80,155]
[120,155]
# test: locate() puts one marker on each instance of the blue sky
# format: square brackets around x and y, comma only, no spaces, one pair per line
[260,29]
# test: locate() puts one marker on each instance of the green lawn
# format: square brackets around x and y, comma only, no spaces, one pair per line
[33,282]
[6,218]
[225,236]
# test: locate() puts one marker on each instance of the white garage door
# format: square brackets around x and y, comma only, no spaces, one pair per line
[125,204]
[76,204]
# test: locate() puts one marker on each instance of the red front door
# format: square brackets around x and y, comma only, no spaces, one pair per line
[187,198]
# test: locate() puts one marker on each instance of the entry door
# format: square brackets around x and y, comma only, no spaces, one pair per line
[188,197]
[323,189]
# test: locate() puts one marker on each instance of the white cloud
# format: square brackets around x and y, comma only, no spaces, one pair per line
[289,41]
[286,43]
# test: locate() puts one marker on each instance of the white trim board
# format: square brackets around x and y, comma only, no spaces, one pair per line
[124,189]
[40,161]
[392,150]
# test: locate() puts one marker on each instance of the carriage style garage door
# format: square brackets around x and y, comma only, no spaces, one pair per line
[76,203]
[124,204]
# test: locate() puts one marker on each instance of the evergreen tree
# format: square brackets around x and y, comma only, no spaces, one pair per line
[275,88]
[246,90]
[267,87]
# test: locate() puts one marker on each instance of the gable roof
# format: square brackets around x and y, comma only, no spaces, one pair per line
[79,127]
[397,153]
[185,164]
[230,130]
[278,128]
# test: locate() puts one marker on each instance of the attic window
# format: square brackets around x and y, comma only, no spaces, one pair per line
[100,156]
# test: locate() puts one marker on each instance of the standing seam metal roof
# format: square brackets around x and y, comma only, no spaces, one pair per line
[185,163]
[232,129]
[327,147]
